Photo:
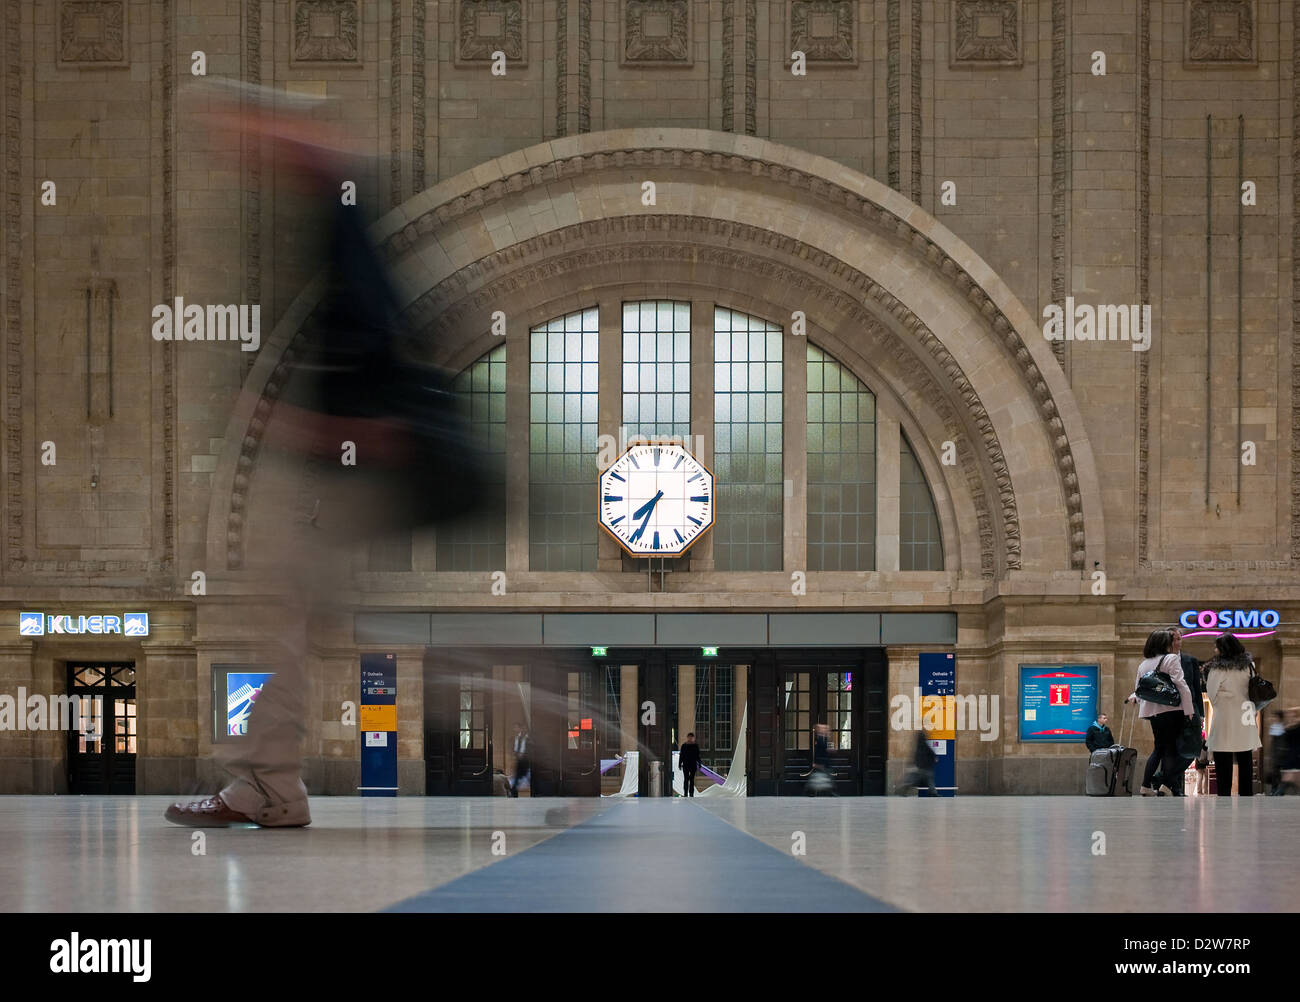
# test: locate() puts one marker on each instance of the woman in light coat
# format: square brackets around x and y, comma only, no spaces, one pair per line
[1234,734]
[1166,721]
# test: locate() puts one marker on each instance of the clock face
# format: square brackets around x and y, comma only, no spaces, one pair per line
[656,500]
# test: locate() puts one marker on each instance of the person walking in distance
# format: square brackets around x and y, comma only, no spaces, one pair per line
[1166,721]
[688,758]
[1234,733]
[522,764]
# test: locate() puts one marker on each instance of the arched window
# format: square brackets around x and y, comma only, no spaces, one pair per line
[657,369]
[563,380]
[478,542]
[920,544]
[747,431]
[841,468]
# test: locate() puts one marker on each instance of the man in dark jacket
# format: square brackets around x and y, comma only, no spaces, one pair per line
[1099,735]
[688,760]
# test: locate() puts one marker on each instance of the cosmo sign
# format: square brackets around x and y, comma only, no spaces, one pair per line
[1212,621]
[40,624]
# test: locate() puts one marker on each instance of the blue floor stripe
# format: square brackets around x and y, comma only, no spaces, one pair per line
[647,856]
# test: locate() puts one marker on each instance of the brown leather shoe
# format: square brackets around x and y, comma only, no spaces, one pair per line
[210,813]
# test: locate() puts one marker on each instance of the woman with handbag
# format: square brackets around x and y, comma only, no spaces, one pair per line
[1232,738]
[1160,692]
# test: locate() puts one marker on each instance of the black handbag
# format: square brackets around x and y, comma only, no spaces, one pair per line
[1157,687]
[1190,741]
[1260,689]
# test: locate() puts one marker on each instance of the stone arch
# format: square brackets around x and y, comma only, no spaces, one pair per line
[861,255]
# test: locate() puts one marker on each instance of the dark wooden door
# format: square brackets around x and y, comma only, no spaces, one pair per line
[842,695]
[472,748]
[103,744]
[579,757]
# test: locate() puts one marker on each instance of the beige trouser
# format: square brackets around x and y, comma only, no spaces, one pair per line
[304,568]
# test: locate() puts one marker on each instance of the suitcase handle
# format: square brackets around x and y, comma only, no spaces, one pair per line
[1123,718]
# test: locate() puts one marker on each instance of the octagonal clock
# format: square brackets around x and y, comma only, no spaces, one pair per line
[656,500]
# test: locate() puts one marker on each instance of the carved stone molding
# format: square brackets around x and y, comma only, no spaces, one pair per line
[1144,279]
[168,349]
[584,65]
[487,26]
[561,67]
[846,203]
[728,65]
[326,31]
[656,33]
[751,67]
[1060,162]
[986,33]
[12,235]
[915,77]
[1220,33]
[93,33]
[418,105]
[1295,292]
[893,99]
[824,31]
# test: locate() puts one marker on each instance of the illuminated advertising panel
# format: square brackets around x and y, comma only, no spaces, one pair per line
[1058,702]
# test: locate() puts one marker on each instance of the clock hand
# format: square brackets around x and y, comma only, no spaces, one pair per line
[647,509]
[647,506]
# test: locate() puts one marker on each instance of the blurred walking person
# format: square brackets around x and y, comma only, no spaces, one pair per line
[523,764]
[345,380]
[921,772]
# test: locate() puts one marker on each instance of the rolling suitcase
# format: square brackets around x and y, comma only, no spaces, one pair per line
[1110,770]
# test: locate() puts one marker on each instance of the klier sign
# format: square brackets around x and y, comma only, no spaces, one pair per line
[41,624]
[1211,621]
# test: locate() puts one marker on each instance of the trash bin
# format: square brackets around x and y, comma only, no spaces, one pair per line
[656,779]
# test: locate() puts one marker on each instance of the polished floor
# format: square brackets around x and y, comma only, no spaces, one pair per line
[976,854]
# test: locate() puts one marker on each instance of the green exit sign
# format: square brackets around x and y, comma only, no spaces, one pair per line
[599,652]
[709,652]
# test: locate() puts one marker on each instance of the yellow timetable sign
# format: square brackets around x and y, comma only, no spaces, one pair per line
[378,718]
[939,717]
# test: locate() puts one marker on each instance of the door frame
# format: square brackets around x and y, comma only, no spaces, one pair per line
[108,719]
